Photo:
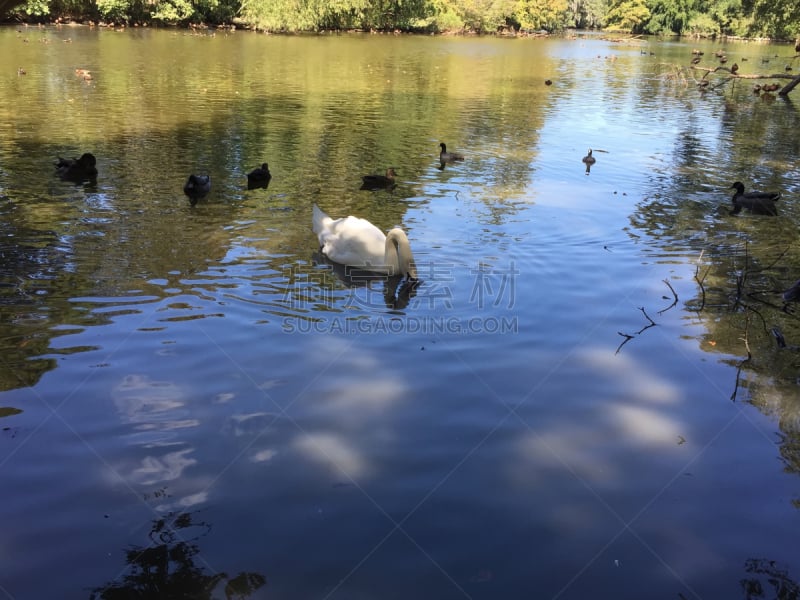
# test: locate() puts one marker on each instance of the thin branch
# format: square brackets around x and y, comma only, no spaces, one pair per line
[709,71]
[700,281]
[646,327]
[675,298]
[743,362]
[627,339]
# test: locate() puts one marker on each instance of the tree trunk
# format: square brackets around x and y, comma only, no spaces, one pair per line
[789,86]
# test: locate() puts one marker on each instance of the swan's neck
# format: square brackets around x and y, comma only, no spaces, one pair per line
[398,257]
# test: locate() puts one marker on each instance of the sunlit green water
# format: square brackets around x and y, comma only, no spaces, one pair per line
[198,380]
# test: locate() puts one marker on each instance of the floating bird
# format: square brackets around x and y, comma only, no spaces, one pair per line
[77,169]
[698,52]
[356,242]
[588,160]
[379,182]
[758,203]
[197,187]
[259,177]
[447,157]
[696,60]
[756,88]
[548,82]
[734,68]
[21,71]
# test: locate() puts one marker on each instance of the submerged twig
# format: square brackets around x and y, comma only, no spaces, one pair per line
[700,281]
[646,327]
[675,298]
[628,337]
[742,363]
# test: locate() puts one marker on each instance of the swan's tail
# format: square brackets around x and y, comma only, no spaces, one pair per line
[319,219]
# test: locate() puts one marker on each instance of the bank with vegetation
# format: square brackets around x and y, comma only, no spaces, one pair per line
[773,19]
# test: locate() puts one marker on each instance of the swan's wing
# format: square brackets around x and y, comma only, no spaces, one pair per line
[353,241]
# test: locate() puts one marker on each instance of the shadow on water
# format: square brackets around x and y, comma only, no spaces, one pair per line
[172,566]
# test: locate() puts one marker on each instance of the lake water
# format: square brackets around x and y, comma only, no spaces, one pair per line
[584,398]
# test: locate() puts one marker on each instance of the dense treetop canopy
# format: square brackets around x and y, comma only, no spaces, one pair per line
[776,19]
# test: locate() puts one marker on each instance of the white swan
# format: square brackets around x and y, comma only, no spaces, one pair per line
[356,242]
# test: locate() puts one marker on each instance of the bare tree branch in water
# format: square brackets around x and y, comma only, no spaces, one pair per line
[628,337]
[652,323]
[742,363]
[700,281]
[674,296]
[734,75]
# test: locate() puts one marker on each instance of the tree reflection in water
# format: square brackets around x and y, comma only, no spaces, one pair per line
[167,568]
[770,574]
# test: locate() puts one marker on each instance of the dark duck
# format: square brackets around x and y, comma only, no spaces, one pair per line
[259,177]
[449,157]
[197,187]
[758,203]
[77,169]
[589,160]
[379,182]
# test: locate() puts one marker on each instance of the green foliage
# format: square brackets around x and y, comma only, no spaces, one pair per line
[541,14]
[627,15]
[172,11]
[777,18]
[394,14]
[122,11]
[727,14]
[586,14]
[305,15]
[702,25]
[443,17]
[669,16]
[768,18]
[484,15]
[34,8]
